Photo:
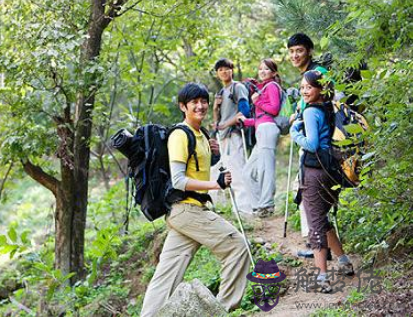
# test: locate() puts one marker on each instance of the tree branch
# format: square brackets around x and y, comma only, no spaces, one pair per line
[40,176]
[124,173]
[129,8]
[3,181]
[20,306]
[114,7]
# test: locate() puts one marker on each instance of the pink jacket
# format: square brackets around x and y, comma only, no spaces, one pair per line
[267,106]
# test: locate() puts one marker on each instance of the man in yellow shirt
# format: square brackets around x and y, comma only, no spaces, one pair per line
[190,223]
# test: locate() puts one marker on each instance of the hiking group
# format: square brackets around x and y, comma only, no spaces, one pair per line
[195,168]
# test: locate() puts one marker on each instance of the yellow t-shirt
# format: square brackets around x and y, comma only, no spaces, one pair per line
[178,152]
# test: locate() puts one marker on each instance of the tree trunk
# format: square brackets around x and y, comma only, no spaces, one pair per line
[63,235]
[71,192]
[98,21]
[83,130]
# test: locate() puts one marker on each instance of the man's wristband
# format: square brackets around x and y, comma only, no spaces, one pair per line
[221,180]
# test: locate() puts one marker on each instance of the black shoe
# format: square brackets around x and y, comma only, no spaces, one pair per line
[309,254]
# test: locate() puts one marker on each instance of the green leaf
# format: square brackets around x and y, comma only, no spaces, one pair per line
[12,234]
[354,14]
[24,237]
[354,128]
[58,274]
[367,74]
[13,252]
[51,291]
[8,249]
[68,276]
[43,267]
[324,42]
[3,240]
[343,142]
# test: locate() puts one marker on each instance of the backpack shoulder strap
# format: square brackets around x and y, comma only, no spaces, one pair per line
[329,116]
[146,140]
[205,132]
[275,83]
[191,141]
[232,91]
[283,97]
[283,94]
[315,105]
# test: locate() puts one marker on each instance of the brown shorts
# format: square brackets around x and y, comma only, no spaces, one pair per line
[318,197]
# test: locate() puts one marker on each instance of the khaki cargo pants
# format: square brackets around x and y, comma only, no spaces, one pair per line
[190,227]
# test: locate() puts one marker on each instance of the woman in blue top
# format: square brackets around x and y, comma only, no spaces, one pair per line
[313,135]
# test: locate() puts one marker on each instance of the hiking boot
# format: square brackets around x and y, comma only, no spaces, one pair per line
[266,212]
[308,254]
[345,269]
[322,286]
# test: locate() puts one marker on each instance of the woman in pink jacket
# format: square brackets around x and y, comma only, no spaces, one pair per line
[259,172]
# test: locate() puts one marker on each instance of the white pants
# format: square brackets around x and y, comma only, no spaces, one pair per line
[233,158]
[259,173]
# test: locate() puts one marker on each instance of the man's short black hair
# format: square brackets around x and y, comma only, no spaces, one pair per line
[300,39]
[224,62]
[193,91]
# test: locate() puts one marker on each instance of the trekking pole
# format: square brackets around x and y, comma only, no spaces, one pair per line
[244,141]
[335,223]
[234,205]
[290,163]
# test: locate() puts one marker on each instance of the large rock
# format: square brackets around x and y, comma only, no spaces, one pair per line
[191,299]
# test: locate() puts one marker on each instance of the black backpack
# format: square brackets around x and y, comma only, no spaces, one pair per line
[325,60]
[147,153]
[342,160]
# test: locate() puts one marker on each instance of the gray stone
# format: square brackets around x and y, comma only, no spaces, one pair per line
[259,240]
[191,300]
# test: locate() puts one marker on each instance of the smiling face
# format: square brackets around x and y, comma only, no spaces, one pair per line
[310,93]
[265,73]
[195,110]
[300,56]
[224,74]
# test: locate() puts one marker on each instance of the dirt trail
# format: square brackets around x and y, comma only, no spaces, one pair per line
[296,302]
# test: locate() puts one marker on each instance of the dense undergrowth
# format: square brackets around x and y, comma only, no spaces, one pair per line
[121,265]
